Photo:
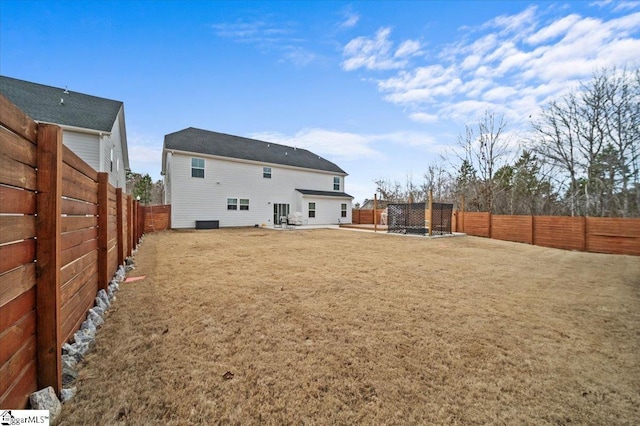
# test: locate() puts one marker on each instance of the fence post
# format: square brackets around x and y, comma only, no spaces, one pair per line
[103,230]
[134,232]
[120,225]
[462,207]
[585,245]
[130,225]
[490,223]
[375,207]
[48,233]
[533,230]
[430,212]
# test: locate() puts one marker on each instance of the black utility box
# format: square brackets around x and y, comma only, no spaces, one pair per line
[207,224]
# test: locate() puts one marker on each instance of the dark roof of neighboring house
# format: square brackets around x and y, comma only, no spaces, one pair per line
[52,105]
[324,193]
[223,145]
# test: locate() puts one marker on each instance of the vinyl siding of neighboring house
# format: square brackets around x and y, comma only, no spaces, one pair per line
[95,149]
[85,145]
[206,198]
[167,178]
[113,141]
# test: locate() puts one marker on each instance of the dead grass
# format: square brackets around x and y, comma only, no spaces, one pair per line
[343,327]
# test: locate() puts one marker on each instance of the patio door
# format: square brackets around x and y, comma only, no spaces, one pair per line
[278,211]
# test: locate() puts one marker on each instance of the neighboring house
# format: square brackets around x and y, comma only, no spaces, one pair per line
[368,204]
[93,128]
[246,182]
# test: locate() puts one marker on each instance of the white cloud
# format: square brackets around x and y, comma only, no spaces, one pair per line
[268,37]
[350,20]
[511,64]
[375,53]
[334,144]
[520,23]
[423,117]
[408,48]
[556,29]
[145,154]
[346,146]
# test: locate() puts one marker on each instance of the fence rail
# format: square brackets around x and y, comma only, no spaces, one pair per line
[592,234]
[63,231]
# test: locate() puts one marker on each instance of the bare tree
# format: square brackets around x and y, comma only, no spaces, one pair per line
[591,138]
[483,148]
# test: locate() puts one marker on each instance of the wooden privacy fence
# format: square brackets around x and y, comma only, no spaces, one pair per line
[63,232]
[157,218]
[592,234]
[365,216]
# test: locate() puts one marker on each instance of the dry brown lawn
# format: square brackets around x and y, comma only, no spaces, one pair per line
[344,327]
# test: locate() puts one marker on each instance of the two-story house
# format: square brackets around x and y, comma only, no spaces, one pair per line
[92,127]
[237,181]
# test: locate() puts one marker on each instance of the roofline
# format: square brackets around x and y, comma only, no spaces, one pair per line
[77,129]
[346,197]
[241,160]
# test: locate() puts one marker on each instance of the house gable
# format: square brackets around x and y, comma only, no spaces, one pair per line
[93,127]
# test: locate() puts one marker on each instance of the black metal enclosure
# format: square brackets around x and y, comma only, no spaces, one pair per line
[441,218]
[411,218]
[407,218]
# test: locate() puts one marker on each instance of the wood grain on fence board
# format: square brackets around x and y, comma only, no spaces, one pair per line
[17,254]
[78,207]
[14,228]
[17,201]
[22,357]
[17,121]
[15,336]
[16,282]
[74,310]
[17,395]
[77,266]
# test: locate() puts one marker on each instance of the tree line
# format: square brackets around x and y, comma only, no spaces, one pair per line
[142,188]
[579,157]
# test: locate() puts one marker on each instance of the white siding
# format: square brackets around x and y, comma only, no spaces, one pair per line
[328,210]
[167,180]
[117,176]
[206,198]
[84,145]
[95,150]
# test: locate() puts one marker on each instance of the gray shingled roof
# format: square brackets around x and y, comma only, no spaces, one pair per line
[324,193]
[223,145]
[42,103]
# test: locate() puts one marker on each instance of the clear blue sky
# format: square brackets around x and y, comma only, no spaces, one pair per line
[380,88]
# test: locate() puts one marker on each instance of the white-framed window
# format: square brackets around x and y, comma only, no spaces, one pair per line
[117,165]
[244,204]
[336,183]
[266,172]
[232,204]
[111,160]
[312,209]
[343,210]
[197,167]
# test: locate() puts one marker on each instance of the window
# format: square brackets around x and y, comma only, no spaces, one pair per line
[232,204]
[111,161]
[266,172]
[197,167]
[343,210]
[336,183]
[312,209]
[117,165]
[244,204]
